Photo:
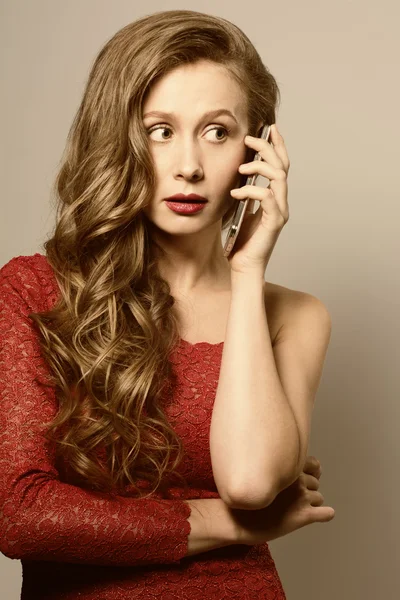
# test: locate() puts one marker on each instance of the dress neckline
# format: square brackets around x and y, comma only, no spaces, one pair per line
[198,344]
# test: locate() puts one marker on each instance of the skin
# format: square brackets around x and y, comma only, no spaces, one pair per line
[297,506]
[193,154]
[259,232]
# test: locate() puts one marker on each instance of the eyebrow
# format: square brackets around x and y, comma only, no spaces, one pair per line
[211,114]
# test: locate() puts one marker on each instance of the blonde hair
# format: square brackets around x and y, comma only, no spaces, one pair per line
[107,339]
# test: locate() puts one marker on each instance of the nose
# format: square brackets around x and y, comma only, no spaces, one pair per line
[188,161]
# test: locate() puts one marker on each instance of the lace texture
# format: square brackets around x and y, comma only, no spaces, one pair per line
[74,543]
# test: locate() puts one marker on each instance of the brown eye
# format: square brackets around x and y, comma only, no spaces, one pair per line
[219,130]
[162,128]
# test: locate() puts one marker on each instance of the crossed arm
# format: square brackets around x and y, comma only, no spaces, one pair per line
[265,397]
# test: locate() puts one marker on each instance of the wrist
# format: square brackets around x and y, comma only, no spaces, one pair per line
[246,279]
[253,273]
[212,521]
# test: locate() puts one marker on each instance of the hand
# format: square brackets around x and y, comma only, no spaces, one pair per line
[259,232]
[297,506]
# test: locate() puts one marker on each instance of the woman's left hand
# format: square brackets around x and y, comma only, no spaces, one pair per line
[296,506]
[259,231]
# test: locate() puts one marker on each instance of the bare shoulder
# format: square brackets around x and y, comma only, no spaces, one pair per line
[287,307]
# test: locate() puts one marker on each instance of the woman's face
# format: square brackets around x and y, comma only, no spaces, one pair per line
[193,150]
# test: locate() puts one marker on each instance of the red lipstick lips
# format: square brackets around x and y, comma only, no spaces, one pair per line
[186,198]
[186,205]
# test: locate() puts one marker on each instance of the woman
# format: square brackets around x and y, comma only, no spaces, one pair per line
[141,455]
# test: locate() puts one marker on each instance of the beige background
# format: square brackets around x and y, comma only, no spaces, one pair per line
[337,66]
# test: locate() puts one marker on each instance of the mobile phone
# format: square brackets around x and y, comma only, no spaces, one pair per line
[243,206]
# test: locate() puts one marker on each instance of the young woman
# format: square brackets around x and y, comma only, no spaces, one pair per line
[157,396]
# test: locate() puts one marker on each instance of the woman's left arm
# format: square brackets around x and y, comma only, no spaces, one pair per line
[265,396]
[261,418]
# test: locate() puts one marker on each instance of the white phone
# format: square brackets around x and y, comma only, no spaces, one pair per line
[243,205]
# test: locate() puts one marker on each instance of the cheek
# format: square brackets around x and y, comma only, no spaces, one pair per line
[228,175]
[160,164]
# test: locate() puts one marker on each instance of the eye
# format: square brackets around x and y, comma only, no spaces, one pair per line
[164,128]
[220,128]
[158,128]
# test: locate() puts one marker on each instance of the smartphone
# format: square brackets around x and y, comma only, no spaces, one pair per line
[243,205]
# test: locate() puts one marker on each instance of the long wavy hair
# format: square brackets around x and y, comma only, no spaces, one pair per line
[108,338]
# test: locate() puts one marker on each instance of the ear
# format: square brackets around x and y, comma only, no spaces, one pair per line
[259,128]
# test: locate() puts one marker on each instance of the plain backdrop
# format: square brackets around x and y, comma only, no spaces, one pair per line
[337,67]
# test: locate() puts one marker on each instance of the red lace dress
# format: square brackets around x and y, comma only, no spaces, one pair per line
[75,543]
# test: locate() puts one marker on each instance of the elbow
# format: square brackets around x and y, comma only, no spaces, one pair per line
[249,499]
[11,540]
[15,539]
[10,552]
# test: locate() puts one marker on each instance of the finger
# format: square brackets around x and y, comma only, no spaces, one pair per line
[316,498]
[265,149]
[260,167]
[311,482]
[312,466]
[317,468]
[277,190]
[323,514]
[279,146]
[277,183]
[312,461]
[273,151]
[276,196]
[254,192]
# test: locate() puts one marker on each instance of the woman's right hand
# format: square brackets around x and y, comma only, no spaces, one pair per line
[297,506]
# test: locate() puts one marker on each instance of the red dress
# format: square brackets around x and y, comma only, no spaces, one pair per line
[78,544]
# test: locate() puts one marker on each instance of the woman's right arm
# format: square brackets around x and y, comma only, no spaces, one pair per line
[43,518]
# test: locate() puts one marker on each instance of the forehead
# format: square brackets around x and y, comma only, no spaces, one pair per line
[197,88]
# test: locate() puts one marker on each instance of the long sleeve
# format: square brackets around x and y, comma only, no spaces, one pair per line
[41,517]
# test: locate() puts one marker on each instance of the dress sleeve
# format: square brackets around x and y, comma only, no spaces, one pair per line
[41,517]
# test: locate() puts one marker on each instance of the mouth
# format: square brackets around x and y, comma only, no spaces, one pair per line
[189,199]
[185,208]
